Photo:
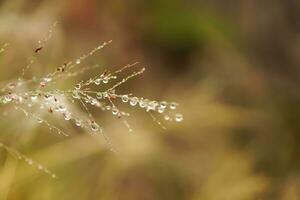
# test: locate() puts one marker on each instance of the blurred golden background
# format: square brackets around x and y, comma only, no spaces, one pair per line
[232,65]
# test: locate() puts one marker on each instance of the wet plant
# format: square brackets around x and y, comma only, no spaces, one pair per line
[34,95]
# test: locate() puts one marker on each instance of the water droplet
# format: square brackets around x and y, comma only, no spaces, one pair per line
[29,161]
[8,98]
[94,126]
[78,122]
[178,117]
[115,111]
[160,109]
[39,120]
[33,98]
[167,117]
[97,81]
[78,61]
[163,104]
[3,101]
[105,80]
[48,79]
[62,108]
[142,103]
[99,95]
[77,86]
[173,106]
[67,116]
[133,101]
[125,98]
[94,102]
[75,94]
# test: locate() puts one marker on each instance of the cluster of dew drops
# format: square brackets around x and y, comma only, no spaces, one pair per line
[55,100]
[82,92]
[46,100]
[28,160]
[162,107]
[51,101]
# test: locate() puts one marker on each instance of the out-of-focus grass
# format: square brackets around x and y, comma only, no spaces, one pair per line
[232,66]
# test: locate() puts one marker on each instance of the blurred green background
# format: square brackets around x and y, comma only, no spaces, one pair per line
[234,67]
